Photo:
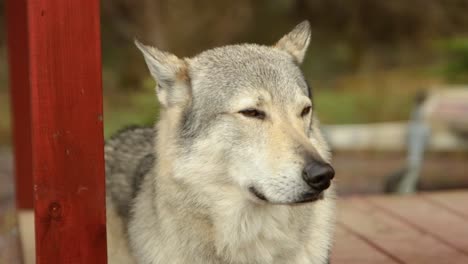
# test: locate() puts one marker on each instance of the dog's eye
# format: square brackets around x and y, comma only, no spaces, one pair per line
[305,111]
[253,113]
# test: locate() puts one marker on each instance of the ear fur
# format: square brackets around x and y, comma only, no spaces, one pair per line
[170,73]
[296,42]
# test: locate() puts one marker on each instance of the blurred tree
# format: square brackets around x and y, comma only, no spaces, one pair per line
[184,27]
[356,28]
[367,24]
[180,26]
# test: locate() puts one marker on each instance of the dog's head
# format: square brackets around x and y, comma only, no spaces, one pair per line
[242,119]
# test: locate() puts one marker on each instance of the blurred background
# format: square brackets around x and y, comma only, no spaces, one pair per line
[369,64]
[390,80]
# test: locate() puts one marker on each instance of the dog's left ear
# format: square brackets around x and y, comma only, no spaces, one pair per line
[296,42]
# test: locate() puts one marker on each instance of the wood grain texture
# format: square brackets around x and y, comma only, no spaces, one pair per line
[396,238]
[67,136]
[454,201]
[428,218]
[351,249]
[18,60]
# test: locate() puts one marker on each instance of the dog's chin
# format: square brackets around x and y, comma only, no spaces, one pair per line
[305,198]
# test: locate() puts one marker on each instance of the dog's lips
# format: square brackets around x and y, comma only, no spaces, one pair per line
[257,194]
[311,197]
[307,198]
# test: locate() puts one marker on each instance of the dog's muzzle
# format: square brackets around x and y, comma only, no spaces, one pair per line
[318,177]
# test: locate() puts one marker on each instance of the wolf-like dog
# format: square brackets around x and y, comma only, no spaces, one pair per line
[236,169]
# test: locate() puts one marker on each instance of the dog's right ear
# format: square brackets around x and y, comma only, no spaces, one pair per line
[171,75]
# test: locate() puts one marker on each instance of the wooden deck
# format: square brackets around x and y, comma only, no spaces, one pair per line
[425,228]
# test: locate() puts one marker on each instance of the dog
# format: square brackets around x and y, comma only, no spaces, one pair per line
[235,171]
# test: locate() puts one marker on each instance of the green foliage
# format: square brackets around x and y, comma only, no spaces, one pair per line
[133,108]
[343,107]
[455,68]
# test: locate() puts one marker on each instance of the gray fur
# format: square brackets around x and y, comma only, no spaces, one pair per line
[187,188]
[123,154]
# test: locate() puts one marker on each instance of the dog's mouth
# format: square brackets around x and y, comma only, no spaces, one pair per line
[310,197]
[257,193]
[307,198]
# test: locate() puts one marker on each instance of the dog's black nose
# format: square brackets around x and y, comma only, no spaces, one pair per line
[318,175]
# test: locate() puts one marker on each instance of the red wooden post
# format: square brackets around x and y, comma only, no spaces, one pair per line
[64,56]
[21,107]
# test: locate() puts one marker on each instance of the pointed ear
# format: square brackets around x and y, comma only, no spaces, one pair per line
[170,73]
[296,42]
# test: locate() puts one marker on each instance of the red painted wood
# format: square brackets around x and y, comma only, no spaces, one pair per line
[18,57]
[67,137]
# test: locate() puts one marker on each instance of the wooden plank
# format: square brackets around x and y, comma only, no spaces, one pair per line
[18,58]
[454,201]
[67,136]
[26,232]
[398,239]
[446,227]
[350,249]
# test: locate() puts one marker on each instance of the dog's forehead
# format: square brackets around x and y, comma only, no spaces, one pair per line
[225,72]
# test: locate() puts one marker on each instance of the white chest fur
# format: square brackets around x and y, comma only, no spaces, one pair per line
[249,233]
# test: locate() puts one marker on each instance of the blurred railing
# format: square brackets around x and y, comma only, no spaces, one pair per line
[443,111]
[392,136]
[438,123]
